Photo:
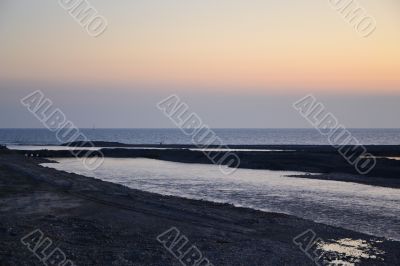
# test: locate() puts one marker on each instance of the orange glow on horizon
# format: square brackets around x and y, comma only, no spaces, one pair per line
[241,48]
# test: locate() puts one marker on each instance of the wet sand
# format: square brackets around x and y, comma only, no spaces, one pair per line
[100,223]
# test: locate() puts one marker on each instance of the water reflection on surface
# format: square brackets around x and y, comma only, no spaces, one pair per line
[349,252]
[392,158]
[384,157]
[363,208]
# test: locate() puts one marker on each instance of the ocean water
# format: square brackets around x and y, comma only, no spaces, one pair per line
[363,208]
[175,136]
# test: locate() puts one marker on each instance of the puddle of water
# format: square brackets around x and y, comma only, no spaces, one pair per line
[350,251]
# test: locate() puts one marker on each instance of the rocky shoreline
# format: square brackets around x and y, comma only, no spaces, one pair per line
[99,223]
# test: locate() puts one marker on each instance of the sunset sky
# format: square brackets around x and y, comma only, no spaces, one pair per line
[252,57]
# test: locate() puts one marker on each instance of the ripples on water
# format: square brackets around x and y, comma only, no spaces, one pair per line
[368,209]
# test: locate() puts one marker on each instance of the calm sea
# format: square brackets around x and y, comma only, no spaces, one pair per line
[175,136]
